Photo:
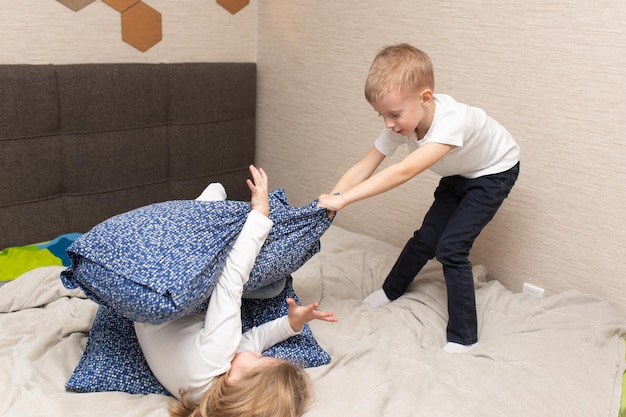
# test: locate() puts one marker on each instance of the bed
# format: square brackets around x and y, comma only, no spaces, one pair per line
[82,143]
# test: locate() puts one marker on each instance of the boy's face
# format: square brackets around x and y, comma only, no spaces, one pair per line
[405,113]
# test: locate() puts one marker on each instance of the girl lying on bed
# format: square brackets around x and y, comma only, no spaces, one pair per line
[207,363]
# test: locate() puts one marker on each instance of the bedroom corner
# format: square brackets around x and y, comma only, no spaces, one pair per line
[117,114]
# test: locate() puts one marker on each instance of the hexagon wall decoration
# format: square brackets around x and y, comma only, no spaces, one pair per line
[120,5]
[75,5]
[141,26]
[233,6]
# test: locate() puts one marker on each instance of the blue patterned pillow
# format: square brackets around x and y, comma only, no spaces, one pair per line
[162,261]
[113,360]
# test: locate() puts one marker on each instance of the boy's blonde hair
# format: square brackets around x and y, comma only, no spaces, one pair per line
[276,390]
[399,68]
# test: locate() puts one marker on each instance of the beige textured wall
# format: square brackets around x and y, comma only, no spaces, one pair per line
[47,32]
[552,72]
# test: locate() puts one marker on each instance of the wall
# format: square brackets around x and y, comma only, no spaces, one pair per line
[47,32]
[552,72]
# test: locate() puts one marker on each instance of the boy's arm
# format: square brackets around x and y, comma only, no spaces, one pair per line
[360,171]
[394,175]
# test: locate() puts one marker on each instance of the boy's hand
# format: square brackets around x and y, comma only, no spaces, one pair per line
[300,315]
[332,202]
[259,200]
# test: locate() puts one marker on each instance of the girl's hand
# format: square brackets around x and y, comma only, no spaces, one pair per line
[300,315]
[259,200]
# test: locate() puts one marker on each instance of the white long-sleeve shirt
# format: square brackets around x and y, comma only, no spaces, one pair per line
[188,352]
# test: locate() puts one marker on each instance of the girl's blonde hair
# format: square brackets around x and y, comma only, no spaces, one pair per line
[400,68]
[276,390]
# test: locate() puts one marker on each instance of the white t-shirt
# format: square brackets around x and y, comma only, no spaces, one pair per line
[482,145]
[190,351]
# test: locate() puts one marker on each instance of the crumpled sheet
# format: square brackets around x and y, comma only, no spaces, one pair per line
[560,356]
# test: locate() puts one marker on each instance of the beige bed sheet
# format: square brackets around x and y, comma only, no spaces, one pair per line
[559,356]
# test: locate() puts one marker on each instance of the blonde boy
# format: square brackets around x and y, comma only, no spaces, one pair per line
[477,158]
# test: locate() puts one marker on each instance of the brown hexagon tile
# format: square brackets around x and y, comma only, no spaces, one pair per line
[75,5]
[233,6]
[141,26]
[120,5]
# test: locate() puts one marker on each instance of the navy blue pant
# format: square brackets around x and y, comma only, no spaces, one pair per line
[462,208]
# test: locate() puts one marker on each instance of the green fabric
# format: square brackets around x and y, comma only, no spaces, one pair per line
[18,260]
[622,410]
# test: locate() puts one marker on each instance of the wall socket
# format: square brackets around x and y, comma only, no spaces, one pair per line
[532,290]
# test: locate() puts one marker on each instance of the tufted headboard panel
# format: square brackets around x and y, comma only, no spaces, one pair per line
[81,143]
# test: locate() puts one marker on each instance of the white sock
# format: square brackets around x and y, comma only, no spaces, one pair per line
[213,192]
[452,347]
[377,299]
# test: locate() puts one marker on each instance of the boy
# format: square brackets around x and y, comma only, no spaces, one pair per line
[477,158]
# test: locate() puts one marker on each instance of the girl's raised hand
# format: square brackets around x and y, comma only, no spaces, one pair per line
[258,185]
[300,315]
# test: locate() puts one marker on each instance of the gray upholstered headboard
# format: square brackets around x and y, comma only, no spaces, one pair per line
[81,143]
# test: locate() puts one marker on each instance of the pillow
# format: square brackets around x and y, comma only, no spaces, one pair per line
[113,360]
[162,261]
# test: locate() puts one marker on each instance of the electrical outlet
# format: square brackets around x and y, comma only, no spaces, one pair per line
[532,290]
